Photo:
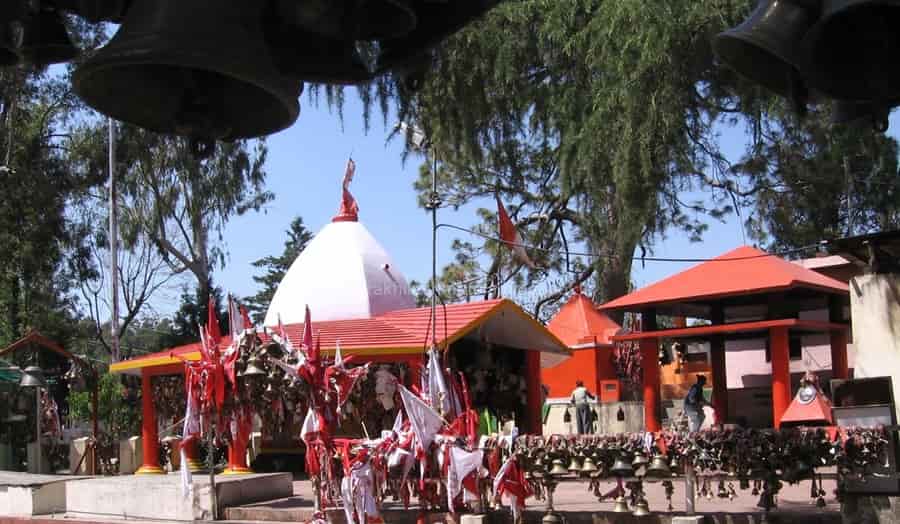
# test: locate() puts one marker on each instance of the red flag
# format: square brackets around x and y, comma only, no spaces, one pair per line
[307,343]
[246,316]
[510,235]
[212,326]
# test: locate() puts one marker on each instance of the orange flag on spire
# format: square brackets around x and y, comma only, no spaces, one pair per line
[510,235]
[349,210]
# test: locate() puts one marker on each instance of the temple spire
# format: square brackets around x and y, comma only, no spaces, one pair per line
[349,210]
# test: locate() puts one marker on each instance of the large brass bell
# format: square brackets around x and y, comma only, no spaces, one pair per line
[852,50]
[641,508]
[845,112]
[621,468]
[658,467]
[435,22]
[344,20]
[558,468]
[95,11]
[45,39]
[621,505]
[765,47]
[589,466]
[198,68]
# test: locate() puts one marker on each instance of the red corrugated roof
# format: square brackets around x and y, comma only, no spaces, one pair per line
[579,322]
[742,271]
[404,329]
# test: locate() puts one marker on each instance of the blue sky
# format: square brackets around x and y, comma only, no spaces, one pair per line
[305,166]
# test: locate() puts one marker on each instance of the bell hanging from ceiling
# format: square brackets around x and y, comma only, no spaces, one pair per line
[589,466]
[303,55]
[253,368]
[558,468]
[639,460]
[764,48]
[846,112]
[621,505]
[621,468]
[96,11]
[658,467]
[12,13]
[852,50]
[346,20]
[45,40]
[574,464]
[641,508]
[198,68]
[435,22]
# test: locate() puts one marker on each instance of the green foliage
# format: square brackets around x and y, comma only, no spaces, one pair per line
[275,268]
[194,312]
[118,407]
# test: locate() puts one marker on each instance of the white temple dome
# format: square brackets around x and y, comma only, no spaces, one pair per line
[343,273]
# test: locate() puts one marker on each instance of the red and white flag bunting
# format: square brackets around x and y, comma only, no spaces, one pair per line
[425,421]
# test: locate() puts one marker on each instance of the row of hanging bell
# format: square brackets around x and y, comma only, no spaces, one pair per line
[844,49]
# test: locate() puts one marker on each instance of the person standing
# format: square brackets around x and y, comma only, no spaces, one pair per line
[694,403]
[580,397]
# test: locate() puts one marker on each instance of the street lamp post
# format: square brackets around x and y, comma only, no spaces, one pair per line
[33,376]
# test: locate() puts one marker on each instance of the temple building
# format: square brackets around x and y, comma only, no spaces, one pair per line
[360,300]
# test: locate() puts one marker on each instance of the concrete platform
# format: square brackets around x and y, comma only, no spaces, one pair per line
[159,497]
[27,494]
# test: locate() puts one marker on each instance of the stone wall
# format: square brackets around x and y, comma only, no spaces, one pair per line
[607,415]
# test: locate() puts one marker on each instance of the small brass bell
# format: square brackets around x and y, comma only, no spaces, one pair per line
[274,350]
[658,467]
[639,460]
[641,508]
[253,368]
[621,505]
[551,518]
[558,468]
[11,31]
[621,468]
[675,465]
[589,466]
[574,464]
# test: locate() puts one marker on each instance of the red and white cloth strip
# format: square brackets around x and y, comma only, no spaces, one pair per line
[511,487]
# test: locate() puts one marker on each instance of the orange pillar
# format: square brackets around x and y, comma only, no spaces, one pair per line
[781,373]
[719,378]
[839,365]
[533,377]
[650,364]
[237,456]
[149,434]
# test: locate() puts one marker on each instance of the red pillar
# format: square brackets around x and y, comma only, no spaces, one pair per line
[650,364]
[781,373]
[719,378]
[149,435]
[191,454]
[237,456]
[839,365]
[533,380]
[414,378]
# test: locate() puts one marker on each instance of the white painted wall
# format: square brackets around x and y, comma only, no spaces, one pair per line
[875,306]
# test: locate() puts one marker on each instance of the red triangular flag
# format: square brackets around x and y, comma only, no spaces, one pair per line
[212,325]
[246,316]
[308,336]
[510,235]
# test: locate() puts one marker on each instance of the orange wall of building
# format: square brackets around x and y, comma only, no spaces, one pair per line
[588,365]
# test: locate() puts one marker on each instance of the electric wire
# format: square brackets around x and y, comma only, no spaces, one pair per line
[636,258]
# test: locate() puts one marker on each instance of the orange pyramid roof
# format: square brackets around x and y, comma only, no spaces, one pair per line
[579,322]
[816,411]
[742,271]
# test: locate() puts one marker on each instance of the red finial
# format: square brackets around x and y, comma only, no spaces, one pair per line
[349,211]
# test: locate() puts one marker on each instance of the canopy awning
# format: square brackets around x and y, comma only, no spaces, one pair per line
[403,332]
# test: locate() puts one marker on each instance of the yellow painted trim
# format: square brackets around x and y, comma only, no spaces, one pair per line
[150,470]
[128,365]
[238,471]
